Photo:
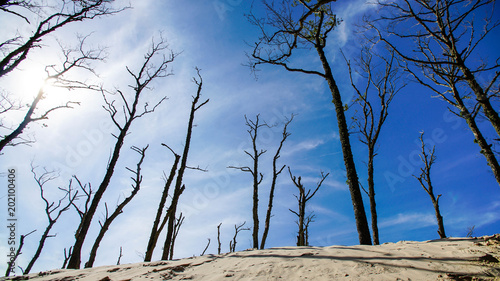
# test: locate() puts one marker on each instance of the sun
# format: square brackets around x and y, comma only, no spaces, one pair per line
[25,83]
[33,81]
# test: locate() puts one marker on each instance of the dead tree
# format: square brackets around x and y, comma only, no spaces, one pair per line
[53,211]
[445,57]
[237,229]
[12,261]
[119,257]
[218,239]
[285,134]
[372,102]
[75,59]
[136,186]
[257,177]
[305,25]
[302,198]
[179,186]
[428,158]
[157,227]
[148,71]
[206,247]
[255,154]
[49,19]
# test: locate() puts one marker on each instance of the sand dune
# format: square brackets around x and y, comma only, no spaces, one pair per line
[443,259]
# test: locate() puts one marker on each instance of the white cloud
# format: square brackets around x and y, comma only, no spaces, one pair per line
[304,146]
[409,220]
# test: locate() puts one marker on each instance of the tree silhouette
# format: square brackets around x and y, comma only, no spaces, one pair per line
[428,158]
[372,102]
[168,246]
[136,186]
[147,72]
[53,211]
[302,198]
[257,176]
[301,24]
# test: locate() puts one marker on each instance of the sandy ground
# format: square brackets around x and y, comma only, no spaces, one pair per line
[444,259]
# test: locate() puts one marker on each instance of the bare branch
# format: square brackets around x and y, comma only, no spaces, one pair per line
[50,208]
[16,50]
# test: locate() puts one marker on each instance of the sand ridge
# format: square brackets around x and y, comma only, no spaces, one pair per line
[442,259]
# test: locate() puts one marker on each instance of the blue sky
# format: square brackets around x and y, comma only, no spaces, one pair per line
[214,36]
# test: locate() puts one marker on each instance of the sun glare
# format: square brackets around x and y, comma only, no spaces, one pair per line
[31,81]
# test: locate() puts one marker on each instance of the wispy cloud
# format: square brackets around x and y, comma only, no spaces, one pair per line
[409,220]
[303,146]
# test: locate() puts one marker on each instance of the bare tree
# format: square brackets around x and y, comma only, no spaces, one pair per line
[206,247]
[255,154]
[157,227]
[136,186]
[285,134]
[302,198]
[445,57]
[53,211]
[293,25]
[119,257]
[148,71]
[428,158]
[50,18]
[218,239]
[237,230]
[372,108]
[179,186]
[257,177]
[57,76]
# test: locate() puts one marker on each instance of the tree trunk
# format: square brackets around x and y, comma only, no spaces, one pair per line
[439,218]
[255,210]
[371,195]
[105,228]
[268,217]
[478,136]
[45,235]
[481,97]
[75,260]
[155,231]
[179,187]
[302,213]
[167,246]
[255,207]
[352,177]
